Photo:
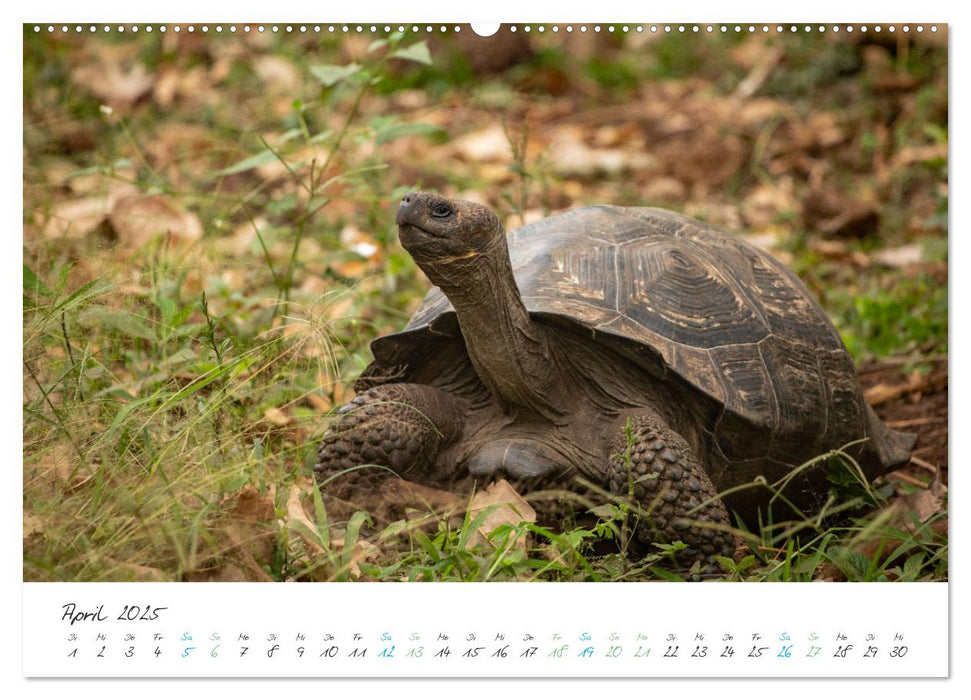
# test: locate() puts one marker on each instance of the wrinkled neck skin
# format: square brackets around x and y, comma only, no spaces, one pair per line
[509,351]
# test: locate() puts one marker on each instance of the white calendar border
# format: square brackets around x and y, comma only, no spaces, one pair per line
[580,630]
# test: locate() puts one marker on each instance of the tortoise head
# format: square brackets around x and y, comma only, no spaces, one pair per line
[440,233]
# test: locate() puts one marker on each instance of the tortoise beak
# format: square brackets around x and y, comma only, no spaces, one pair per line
[409,209]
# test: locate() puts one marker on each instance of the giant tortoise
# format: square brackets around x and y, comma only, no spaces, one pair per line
[644,351]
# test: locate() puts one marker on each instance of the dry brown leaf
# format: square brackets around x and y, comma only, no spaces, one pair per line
[833,250]
[758,111]
[349,268]
[187,151]
[277,73]
[767,240]
[33,524]
[764,64]
[916,382]
[766,204]
[243,239]
[140,219]
[112,84]
[188,85]
[918,154]
[417,501]
[277,417]
[513,509]
[244,541]
[857,221]
[899,257]
[359,242]
[364,551]
[126,571]
[77,218]
[922,504]
[252,506]
[112,186]
[570,156]
[613,135]
[221,69]
[58,467]
[823,129]
[297,513]
[319,402]
[489,144]
[664,189]
[167,88]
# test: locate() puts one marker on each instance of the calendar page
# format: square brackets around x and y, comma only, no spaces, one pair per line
[372,349]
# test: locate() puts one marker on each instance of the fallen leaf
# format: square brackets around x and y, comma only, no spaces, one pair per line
[297,513]
[490,144]
[32,524]
[349,268]
[767,240]
[244,541]
[899,257]
[512,510]
[77,218]
[767,204]
[126,571]
[276,416]
[359,242]
[765,63]
[60,467]
[418,501]
[858,221]
[112,84]
[884,392]
[922,504]
[252,506]
[192,85]
[829,211]
[319,402]
[141,218]
[278,74]
[918,154]
[570,156]
[663,189]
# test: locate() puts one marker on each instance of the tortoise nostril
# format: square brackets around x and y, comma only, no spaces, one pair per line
[406,210]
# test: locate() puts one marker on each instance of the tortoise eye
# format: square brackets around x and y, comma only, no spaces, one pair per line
[441,211]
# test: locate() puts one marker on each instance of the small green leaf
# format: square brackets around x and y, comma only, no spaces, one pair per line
[322,136]
[330,75]
[665,574]
[168,309]
[33,284]
[728,563]
[913,566]
[418,53]
[126,323]
[255,161]
[316,203]
[395,131]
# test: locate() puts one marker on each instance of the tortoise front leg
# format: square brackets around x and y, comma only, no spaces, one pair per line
[669,486]
[398,427]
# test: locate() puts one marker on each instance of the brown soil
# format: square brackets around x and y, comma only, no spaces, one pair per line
[919,406]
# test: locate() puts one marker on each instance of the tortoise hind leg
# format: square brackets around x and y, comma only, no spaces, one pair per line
[669,486]
[387,431]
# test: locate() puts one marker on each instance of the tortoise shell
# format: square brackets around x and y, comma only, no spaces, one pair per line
[690,304]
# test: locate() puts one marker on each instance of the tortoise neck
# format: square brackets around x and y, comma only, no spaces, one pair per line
[510,352]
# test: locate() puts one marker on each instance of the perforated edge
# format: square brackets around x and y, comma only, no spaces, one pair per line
[340,29]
